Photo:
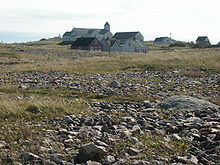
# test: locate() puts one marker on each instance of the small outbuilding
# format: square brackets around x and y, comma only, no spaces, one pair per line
[164,41]
[203,40]
[90,43]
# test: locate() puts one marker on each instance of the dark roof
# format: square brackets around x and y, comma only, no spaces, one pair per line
[103,31]
[201,38]
[125,35]
[67,34]
[90,31]
[83,41]
[160,39]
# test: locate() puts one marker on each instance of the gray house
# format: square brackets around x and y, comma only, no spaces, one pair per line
[203,40]
[85,32]
[218,43]
[164,41]
[129,42]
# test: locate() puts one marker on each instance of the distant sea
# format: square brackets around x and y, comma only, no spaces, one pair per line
[20,37]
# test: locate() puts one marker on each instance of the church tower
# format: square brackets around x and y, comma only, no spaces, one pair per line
[107,26]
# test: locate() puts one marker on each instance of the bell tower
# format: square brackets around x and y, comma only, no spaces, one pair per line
[107,26]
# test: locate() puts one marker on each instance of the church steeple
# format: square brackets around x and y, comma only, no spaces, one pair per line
[107,26]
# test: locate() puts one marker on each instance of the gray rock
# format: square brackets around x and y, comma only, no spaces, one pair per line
[100,143]
[7,161]
[57,158]
[29,157]
[90,151]
[109,159]
[147,104]
[68,120]
[175,137]
[190,159]
[114,84]
[134,140]
[2,144]
[132,151]
[141,162]
[136,130]
[22,87]
[216,138]
[214,158]
[180,102]
[92,163]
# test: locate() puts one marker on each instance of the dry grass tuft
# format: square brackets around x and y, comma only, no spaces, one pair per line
[37,110]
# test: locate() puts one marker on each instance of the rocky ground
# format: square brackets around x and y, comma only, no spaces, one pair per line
[152,117]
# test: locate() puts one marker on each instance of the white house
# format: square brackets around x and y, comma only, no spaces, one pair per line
[129,42]
[203,40]
[164,41]
[134,46]
[85,32]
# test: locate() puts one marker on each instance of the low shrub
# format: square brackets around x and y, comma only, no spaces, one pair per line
[177,44]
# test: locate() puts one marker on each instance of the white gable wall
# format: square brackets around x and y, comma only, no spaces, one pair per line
[116,48]
[139,36]
[128,46]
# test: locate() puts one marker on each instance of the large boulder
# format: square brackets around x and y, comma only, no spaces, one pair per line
[91,151]
[179,102]
[114,84]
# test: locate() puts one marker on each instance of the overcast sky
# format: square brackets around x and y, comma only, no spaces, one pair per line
[184,19]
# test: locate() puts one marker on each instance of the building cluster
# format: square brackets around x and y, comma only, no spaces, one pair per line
[102,39]
[201,40]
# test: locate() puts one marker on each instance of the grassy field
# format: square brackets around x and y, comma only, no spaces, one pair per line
[171,58]
[39,56]
[17,108]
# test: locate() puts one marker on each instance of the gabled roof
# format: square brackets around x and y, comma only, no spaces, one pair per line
[138,43]
[67,34]
[112,42]
[103,31]
[125,35]
[160,39]
[83,41]
[82,31]
[201,38]
[85,31]
[90,31]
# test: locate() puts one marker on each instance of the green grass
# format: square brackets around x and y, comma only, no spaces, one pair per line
[38,110]
[152,145]
[9,55]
